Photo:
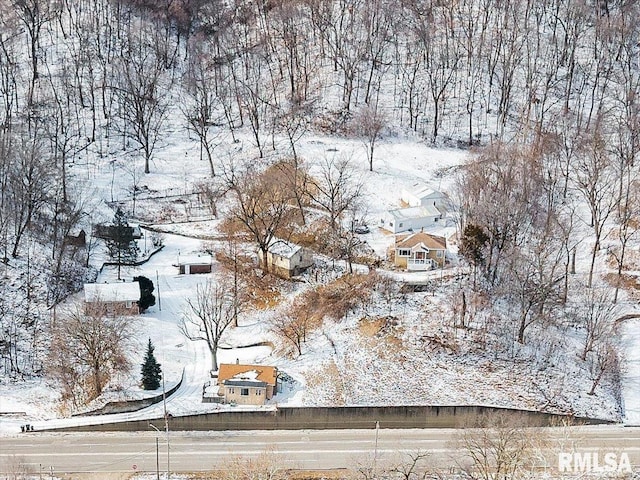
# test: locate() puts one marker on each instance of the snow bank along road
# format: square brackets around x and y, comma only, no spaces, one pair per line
[203,451]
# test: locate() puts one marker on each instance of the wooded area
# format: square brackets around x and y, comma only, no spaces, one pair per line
[546,90]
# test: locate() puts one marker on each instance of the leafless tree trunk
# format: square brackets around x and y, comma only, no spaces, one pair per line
[262,205]
[597,313]
[497,448]
[202,108]
[88,347]
[595,179]
[293,327]
[605,363]
[335,189]
[368,123]
[29,182]
[143,98]
[209,315]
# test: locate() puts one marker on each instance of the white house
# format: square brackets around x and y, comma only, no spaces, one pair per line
[411,218]
[420,195]
[115,298]
[286,259]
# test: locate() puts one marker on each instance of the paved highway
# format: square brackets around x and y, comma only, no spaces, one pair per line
[203,451]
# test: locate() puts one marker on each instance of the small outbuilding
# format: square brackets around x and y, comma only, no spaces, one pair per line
[247,384]
[286,259]
[191,264]
[120,298]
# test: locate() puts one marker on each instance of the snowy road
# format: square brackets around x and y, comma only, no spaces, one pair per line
[203,451]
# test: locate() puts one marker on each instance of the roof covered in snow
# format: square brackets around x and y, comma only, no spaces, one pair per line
[283,249]
[415,212]
[112,292]
[195,260]
[421,191]
[247,373]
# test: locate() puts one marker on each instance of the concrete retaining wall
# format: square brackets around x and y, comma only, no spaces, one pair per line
[126,406]
[344,418]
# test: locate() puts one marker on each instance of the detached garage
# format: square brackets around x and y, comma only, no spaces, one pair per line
[189,265]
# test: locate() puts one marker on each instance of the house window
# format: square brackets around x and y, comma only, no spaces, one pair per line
[439,253]
[231,391]
[258,392]
[244,392]
[400,225]
[404,252]
[435,219]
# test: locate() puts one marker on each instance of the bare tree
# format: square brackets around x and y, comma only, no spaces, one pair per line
[87,348]
[29,183]
[496,448]
[369,122]
[35,14]
[335,188]
[265,466]
[143,97]
[597,313]
[262,205]
[209,315]
[294,325]
[604,362]
[596,180]
[202,108]
[295,175]
[413,467]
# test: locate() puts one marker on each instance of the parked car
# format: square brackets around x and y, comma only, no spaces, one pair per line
[361,229]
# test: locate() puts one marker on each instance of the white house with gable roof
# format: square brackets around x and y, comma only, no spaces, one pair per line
[286,259]
[423,207]
[420,195]
[411,219]
[120,298]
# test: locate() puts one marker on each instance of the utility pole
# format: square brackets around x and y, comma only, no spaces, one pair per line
[375,450]
[166,422]
[158,284]
[157,452]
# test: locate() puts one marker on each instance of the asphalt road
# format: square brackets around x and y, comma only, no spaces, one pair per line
[308,450]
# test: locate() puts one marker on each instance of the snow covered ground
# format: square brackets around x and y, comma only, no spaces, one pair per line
[343,362]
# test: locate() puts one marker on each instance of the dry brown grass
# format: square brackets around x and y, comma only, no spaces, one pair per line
[327,377]
[381,330]
[628,283]
[344,294]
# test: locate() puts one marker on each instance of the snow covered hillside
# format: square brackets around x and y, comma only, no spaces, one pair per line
[222,130]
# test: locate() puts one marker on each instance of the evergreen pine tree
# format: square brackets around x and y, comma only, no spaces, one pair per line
[120,243]
[151,372]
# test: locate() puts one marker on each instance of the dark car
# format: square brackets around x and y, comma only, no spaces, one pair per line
[361,229]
